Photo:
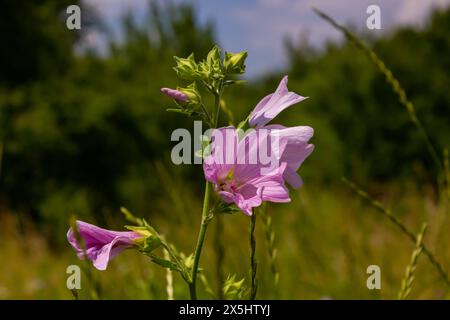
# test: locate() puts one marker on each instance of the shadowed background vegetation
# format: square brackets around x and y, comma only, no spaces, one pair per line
[82,134]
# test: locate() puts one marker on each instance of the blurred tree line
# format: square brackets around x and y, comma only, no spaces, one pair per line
[86,133]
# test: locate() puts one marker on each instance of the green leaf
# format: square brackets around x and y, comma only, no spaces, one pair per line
[163,262]
[227,208]
[186,68]
[213,56]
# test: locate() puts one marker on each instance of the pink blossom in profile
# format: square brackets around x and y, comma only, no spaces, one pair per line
[101,244]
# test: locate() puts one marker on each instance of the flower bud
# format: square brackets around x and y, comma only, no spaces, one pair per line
[214,62]
[175,94]
[204,70]
[192,95]
[186,67]
[213,56]
[234,63]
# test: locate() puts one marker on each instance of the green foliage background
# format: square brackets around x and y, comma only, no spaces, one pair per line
[84,134]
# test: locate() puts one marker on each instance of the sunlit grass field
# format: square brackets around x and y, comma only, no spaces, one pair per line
[326,238]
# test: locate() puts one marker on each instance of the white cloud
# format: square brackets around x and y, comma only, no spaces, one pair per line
[263,24]
[116,7]
[415,12]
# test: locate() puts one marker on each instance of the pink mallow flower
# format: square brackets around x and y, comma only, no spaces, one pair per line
[295,139]
[295,149]
[271,105]
[175,94]
[101,245]
[239,180]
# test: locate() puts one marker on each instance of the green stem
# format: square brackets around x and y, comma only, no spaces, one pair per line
[205,212]
[217,96]
[206,112]
[173,255]
[220,256]
[253,264]
[200,240]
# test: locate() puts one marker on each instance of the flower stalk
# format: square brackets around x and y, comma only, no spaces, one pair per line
[206,217]
[201,239]
[253,263]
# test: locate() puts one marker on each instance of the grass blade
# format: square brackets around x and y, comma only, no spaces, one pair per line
[388,214]
[394,83]
[270,243]
[407,282]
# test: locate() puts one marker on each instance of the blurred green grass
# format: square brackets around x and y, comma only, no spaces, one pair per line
[326,239]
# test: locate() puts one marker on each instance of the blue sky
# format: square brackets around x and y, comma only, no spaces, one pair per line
[260,26]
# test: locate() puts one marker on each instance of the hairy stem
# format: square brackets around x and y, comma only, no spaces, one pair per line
[253,263]
[387,213]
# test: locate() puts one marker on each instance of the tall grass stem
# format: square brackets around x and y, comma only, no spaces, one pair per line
[407,282]
[394,83]
[169,278]
[388,214]
[269,234]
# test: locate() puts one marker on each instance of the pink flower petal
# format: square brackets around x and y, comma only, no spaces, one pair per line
[270,106]
[101,244]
